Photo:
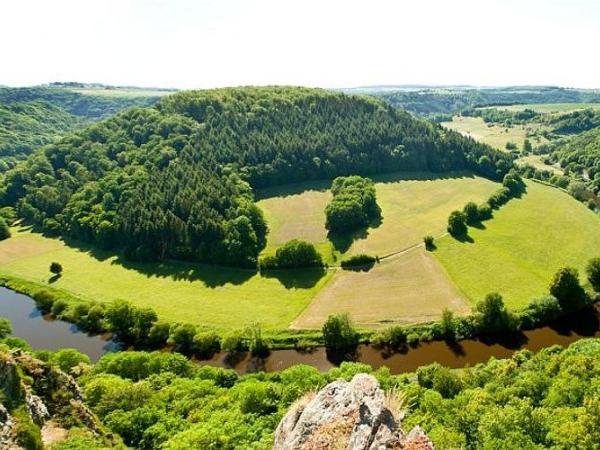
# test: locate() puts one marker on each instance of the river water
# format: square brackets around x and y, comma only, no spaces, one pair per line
[44,333]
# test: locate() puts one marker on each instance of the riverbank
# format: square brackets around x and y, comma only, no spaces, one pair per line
[45,333]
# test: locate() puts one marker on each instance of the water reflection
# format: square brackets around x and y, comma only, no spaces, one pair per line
[44,333]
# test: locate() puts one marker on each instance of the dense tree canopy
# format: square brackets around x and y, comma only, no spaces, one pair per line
[354,204]
[174,181]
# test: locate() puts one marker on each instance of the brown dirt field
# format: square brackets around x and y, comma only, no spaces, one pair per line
[406,289]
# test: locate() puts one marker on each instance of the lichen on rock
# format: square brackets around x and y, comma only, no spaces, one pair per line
[347,415]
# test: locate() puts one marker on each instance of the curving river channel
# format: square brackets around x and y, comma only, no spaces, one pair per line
[44,333]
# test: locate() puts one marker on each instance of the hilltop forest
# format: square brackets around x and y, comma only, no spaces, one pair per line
[175,180]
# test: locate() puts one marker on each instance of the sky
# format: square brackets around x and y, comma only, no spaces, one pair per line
[327,43]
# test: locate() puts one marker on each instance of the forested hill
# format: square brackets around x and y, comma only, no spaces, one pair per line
[175,180]
[31,117]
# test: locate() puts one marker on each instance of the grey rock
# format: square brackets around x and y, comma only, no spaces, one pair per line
[346,415]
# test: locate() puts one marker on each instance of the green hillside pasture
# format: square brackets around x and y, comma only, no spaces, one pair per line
[413,205]
[405,289]
[494,135]
[193,293]
[520,249]
[536,161]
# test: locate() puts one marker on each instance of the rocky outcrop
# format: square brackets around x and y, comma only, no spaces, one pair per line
[351,415]
[46,394]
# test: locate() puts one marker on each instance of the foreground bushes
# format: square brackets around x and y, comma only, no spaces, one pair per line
[531,400]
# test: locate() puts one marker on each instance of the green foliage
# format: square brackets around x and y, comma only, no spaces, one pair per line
[4,229]
[593,273]
[291,255]
[206,344]
[56,268]
[67,358]
[26,433]
[5,327]
[429,242]
[493,317]
[484,212]
[339,334]
[457,224]
[353,206]
[394,337]
[471,212]
[32,117]
[360,260]
[182,337]
[174,181]
[567,290]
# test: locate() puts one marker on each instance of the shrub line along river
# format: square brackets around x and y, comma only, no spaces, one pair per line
[45,333]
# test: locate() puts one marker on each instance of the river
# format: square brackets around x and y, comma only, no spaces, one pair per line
[44,333]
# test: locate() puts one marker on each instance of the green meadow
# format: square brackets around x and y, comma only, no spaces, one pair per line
[517,252]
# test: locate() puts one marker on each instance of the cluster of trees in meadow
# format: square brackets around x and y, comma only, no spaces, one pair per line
[293,254]
[163,400]
[353,206]
[174,181]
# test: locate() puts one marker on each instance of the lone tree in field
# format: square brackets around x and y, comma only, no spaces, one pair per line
[4,230]
[457,223]
[593,273]
[567,290]
[56,268]
[339,334]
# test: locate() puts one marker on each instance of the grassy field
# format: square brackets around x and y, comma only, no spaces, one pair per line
[404,289]
[550,107]
[536,161]
[413,205]
[520,249]
[214,296]
[496,136]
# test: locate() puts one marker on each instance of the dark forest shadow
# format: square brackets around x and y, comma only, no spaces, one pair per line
[336,358]
[212,276]
[322,185]
[296,278]
[455,347]
[511,341]
[585,322]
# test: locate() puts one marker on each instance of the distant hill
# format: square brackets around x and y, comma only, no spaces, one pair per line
[31,117]
[174,180]
[432,100]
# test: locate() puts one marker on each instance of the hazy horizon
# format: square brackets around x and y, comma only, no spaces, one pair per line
[184,44]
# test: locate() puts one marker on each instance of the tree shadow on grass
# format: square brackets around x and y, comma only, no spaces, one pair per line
[343,241]
[296,278]
[212,276]
[54,278]
[464,238]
